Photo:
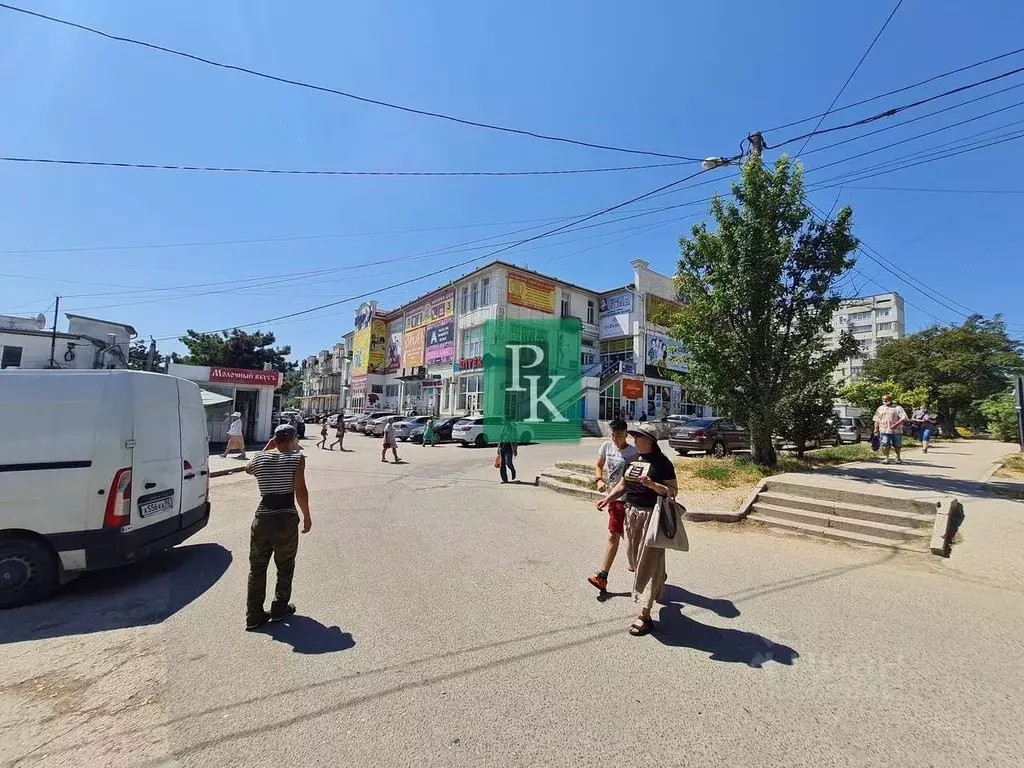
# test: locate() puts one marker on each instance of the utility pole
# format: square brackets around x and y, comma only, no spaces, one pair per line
[151,357]
[53,336]
[1019,402]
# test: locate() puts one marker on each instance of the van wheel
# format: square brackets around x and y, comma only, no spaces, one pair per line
[480,441]
[28,572]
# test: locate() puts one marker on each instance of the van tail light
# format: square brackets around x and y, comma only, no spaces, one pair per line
[700,434]
[118,512]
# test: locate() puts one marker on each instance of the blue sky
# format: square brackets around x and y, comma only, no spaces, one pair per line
[688,78]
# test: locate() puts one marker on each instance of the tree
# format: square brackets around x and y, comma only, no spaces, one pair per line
[955,365]
[138,357]
[868,394]
[805,415]
[761,293]
[235,350]
[290,389]
[1001,413]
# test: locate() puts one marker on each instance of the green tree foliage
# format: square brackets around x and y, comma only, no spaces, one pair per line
[290,389]
[237,349]
[868,395]
[956,365]
[761,293]
[138,357]
[807,414]
[1001,413]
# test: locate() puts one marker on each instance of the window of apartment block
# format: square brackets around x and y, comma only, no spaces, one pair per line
[860,329]
[11,357]
[885,326]
[855,316]
[485,292]
[474,294]
[473,342]
[884,312]
[591,312]
[464,300]
[566,303]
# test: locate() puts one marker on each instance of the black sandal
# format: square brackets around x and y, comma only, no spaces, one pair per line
[641,626]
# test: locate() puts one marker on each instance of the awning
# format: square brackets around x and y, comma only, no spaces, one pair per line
[212,398]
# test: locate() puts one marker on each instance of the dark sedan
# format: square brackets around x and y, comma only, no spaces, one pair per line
[442,427]
[717,436]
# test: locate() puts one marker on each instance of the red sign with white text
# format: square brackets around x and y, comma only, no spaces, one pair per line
[243,377]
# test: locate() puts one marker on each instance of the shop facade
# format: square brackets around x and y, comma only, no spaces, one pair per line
[251,393]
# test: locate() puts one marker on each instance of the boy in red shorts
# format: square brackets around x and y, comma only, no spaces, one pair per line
[612,458]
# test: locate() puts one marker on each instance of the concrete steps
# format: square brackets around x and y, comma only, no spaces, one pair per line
[891,521]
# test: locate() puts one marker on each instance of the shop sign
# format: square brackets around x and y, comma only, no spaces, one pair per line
[245,377]
[471,363]
[616,303]
[440,342]
[614,325]
[437,307]
[589,329]
[436,383]
[633,389]
[529,292]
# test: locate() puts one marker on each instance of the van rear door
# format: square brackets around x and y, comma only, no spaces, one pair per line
[195,453]
[156,458]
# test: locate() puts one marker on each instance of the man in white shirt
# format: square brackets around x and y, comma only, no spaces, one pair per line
[236,437]
[889,421]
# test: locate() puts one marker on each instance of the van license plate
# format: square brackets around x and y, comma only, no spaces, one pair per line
[152,503]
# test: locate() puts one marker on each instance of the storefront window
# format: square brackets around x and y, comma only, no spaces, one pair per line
[659,400]
[470,388]
[610,401]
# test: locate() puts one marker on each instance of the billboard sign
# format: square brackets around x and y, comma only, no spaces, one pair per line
[437,307]
[662,311]
[614,325]
[616,303]
[393,360]
[439,342]
[530,292]
[664,355]
[412,349]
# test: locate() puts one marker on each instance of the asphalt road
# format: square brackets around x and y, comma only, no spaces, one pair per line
[445,619]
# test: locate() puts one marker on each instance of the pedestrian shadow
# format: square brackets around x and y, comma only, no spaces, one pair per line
[725,608]
[723,644]
[135,595]
[606,596]
[307,635]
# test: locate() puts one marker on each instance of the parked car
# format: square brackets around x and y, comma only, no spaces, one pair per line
[470,431]
[360,422]
[126,474]
[405,425]
[443,428]
[853,430]
[717,436]
[332,420]
[678,419]
[375,427]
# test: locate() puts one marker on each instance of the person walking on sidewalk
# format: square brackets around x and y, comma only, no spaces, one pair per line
[280,471]
[236,437]
[925,422]
[339,433]
[389,442]
[429,435]
[612,458]
[507,449]
[650,475]
[323,436]
[889,421]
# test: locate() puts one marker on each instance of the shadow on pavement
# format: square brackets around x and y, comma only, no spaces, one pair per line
[143,593]
[729,645]
[890,476]
[307,635]
[725,608]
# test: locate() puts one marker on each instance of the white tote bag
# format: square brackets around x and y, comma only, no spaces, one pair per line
[665,528]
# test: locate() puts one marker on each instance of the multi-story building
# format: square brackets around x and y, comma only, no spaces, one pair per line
[427,355]
[87,343]
[871,320]
[324,380]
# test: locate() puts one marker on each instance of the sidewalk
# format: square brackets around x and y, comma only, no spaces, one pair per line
[990,545]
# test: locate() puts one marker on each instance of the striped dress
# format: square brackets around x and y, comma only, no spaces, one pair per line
[275,473]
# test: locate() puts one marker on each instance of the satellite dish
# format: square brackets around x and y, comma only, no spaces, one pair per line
[40,321]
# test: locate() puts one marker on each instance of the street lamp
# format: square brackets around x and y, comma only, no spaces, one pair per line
[710,163]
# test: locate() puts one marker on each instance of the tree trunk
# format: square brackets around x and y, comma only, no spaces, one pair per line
[762,447]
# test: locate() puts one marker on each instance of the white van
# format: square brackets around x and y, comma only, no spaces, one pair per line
[97,469]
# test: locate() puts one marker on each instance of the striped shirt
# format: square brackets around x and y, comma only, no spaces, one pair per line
[275,473]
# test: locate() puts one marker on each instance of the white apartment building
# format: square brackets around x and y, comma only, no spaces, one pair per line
[871,320]
[325,377]
[87,343]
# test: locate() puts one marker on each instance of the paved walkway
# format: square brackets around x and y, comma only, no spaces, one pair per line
[990,544]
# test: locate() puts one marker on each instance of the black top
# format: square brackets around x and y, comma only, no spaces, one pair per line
[660,470]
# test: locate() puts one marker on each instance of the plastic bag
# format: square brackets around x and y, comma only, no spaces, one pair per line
[497,462]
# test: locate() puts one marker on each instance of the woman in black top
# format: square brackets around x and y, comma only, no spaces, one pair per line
[647,477]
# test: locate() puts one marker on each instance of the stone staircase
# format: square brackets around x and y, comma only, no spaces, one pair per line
[837,512]
[570,477]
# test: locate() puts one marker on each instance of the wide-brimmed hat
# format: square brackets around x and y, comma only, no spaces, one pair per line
[641,432]
[236,414]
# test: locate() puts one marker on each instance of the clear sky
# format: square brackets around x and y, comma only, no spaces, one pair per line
[687,78]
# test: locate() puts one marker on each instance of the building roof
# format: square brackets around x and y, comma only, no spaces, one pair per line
[46,334]
[128,328]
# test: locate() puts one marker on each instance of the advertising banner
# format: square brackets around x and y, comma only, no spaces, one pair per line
[616,303]
[244,376]
[361,351]
[614,325]
[437,307]
[664,355]
[440,342]
[412,349]
[531,293]
[378,345]
[662,311]
[394,356]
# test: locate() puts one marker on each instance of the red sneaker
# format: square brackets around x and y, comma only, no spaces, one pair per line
[600,583]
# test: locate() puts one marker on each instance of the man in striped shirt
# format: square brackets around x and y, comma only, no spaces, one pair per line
[280,470]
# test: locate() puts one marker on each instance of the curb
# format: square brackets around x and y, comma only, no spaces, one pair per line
[991,471]
[229,471]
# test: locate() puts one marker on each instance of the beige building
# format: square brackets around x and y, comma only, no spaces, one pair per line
[872,320]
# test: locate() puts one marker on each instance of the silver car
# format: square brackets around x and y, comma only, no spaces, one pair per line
[404,427]
[853,430]
[376,426]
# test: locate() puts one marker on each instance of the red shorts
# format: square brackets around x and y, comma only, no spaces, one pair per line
[616,518]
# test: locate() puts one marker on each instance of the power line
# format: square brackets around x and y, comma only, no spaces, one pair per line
[320,172]
[899,90]
[337,92]
[850,77]
[951,191]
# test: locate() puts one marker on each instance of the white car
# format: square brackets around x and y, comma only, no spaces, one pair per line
[375,427]
[405,426]
[470,431]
